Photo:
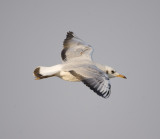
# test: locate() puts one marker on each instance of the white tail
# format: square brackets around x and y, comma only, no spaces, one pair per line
[45,72]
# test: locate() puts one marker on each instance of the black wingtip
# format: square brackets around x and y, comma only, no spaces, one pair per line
[69,35]
[103,95]
[91,85]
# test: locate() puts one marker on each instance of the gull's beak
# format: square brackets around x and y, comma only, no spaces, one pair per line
[122,76]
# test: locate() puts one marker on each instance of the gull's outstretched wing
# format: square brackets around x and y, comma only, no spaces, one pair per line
[74,47]
[94,78]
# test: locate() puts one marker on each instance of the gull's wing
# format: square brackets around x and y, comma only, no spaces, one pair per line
[94,78]
[74,47]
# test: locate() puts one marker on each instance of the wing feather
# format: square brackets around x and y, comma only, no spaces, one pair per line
[95,79]
[74,47]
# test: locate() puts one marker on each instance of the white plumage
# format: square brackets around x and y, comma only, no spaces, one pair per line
[78,66]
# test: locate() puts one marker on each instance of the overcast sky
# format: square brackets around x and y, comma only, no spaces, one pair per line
[125,35]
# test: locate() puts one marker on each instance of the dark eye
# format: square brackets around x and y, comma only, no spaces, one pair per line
[112,71]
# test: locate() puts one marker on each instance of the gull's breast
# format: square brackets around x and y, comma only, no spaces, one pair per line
[68,76]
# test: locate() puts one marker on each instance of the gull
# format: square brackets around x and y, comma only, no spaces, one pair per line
[78,65]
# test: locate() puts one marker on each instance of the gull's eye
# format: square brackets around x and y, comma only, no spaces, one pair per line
[112,71]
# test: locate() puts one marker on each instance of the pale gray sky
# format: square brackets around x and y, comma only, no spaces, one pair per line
[124,34]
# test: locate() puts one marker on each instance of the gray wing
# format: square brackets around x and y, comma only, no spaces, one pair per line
[74,47]
[95,79]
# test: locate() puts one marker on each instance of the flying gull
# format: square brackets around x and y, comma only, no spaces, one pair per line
[78,65]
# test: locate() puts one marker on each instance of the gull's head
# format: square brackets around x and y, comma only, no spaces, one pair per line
[113,73]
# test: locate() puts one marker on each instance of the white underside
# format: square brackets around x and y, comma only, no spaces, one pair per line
[68,76]
[57,71]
